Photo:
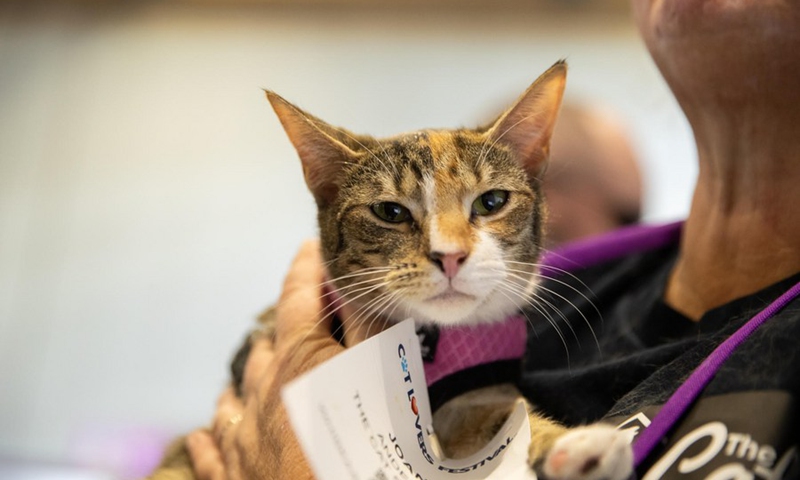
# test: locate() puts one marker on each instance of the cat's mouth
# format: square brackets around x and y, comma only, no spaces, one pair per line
[450,295]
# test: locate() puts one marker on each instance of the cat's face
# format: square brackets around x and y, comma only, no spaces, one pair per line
[439,216]
[439,225]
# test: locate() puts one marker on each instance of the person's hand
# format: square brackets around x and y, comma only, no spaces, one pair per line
[251,437]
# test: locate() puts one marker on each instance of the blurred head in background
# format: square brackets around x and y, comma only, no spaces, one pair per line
[593,183]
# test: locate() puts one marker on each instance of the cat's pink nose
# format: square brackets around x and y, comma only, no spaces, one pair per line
[449,263]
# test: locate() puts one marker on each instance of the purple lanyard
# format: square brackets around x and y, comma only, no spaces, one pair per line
[638,239]
[685,395]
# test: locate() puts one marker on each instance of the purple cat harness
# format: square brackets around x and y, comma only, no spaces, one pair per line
[639,239]
[465,358]
[461,348]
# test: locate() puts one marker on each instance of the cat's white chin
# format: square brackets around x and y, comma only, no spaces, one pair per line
[452,307]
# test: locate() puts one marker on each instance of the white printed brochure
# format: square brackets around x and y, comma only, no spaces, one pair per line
[365,415]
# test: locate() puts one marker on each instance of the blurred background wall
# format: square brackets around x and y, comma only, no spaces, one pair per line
[150,202]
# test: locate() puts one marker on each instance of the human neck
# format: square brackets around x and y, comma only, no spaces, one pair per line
[742,233]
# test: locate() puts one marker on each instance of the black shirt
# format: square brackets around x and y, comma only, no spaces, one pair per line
[613,350]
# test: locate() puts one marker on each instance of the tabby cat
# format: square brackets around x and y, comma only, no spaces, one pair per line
[445,226]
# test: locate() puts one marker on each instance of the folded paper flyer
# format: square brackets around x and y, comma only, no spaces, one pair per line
[365,415]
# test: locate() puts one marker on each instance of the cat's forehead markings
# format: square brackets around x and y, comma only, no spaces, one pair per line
[410,148]
[448,227]
[429,194]
[412,183]
[448,170]
[443,149]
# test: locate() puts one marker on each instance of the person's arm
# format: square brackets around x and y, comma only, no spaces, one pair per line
[251,437]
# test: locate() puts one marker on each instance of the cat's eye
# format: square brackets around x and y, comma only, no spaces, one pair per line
[391,212]
[489,202]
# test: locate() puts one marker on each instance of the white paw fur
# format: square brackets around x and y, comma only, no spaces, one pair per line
[590,453]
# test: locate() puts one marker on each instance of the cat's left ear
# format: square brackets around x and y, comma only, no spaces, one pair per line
[321,154]
[527,126]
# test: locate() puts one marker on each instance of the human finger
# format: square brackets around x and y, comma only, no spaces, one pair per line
[262,354]
[301,310]
[227,416]
[206,459]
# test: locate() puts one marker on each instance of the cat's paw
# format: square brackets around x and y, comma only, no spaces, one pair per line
[590,453]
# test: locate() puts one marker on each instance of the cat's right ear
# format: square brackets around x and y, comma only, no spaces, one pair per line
[322,155]
[527,127]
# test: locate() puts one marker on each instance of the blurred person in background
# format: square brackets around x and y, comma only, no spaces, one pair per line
[592,183]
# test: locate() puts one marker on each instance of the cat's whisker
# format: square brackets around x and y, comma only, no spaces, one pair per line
[332,294]
[350,286]
[543,266]
[525,284]
[396,297]
[368,308]
[397,302]
[544,314]
[540,299]
[372,315]
[370,311]
[361,292]
[332,289]
[523,287]
[561,282]
[378,310]
[349,290]
[574,307]
[571,287]
[543,275]
[352,321]
[533,327]
[340,305]
[372,308]
[330,262]
[358,273]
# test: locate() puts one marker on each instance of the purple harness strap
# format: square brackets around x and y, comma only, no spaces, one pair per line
[641,238]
